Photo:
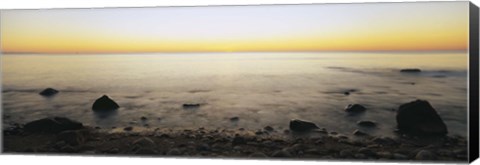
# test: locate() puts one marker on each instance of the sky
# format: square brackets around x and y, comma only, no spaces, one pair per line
[421,26]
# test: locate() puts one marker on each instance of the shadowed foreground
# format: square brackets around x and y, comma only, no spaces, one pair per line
[320,144]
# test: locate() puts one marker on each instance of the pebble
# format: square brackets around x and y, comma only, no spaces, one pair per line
[143,118]
[424,155]
[384,154]
[258,155]
[128,128]
[238,140]
[174,151]
[360,156]
[281,154]
[268,128]
[399,156]
[345,153]
[234,119]
[359,133]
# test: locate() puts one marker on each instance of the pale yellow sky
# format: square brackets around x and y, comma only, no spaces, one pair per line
[421,26]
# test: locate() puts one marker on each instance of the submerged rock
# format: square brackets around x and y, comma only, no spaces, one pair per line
[52,125]
[190,106]
[302,126]
[234,118]
[104,103]
[355,108]
[410,70]
[48,92]
[420,118]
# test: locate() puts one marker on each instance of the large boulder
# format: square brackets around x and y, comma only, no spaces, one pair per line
[52,125]
[302,126]
[420,118]
[48,92]
[104,103]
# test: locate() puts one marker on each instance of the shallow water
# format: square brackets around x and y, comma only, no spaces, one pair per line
[260,88]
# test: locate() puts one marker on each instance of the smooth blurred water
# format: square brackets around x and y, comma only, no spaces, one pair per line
[260,88]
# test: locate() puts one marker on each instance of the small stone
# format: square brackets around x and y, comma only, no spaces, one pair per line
[355,108]
[143,118]
[145,151]
[128,128]
[234,118]
[345,153]
[281,154]
[268,128]
[384,154]
[174,152]
[399,156]
[424,155]
[366,151]
[238,140]
[144,142]
[258,155]
[203,147]
[68,149]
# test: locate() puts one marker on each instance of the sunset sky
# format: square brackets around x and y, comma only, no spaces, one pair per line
[328,27]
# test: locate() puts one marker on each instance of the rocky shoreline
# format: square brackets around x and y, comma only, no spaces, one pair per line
[201,142]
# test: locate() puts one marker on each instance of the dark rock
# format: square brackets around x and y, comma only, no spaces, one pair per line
[420,118]
[143,118]
[104,103]
[384,154]
[48,92]
[302,126]
[367,123]
[355,108]
[128,128]
[359,133]
[268,128]
[346,93]
[190,106]
[234,119]
[71,137]
[424,155]
[281,154]
[410,70]
[53,125]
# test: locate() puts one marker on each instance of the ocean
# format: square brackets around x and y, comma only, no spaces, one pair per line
[261,89]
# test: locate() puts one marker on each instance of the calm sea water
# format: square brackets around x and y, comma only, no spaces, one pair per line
[260,88]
